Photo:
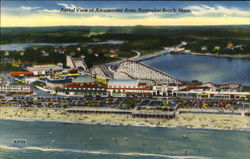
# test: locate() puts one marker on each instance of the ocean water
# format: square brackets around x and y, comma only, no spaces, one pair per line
[54,140]
[203,68]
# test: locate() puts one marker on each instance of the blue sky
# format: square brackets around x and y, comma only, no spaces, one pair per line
[244,5]
[220,12]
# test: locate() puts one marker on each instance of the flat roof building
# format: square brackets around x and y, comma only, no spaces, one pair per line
[83,79]
[44,69]
[123,83]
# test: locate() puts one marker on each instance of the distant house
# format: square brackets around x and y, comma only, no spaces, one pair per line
[26,64]
[184,43]
[204,48]
[230,45]
[113,55]
[90,51]
[113,50]
[45,54]
[216,48]
[61,52]
[21,53]
[6,53]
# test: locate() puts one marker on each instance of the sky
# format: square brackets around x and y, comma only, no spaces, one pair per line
[47,13]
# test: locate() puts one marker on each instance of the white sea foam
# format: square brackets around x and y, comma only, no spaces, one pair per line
[9,148]
[101,152]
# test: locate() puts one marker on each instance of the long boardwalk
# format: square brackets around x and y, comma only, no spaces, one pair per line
[213,111]
[155,113]
[133,113]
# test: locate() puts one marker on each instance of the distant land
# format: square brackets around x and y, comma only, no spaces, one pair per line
[167,34]
[224,40]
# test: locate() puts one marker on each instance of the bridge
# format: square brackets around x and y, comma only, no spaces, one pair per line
[135,70]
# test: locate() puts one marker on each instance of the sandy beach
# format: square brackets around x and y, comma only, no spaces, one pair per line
[205,121]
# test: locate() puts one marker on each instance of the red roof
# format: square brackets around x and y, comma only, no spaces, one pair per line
[26,62]
[20,73]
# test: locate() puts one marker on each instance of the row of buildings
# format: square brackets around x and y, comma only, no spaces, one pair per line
[129,78]
[86,85]
[12,88]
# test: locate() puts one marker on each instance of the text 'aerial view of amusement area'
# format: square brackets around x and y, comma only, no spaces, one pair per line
[124,79]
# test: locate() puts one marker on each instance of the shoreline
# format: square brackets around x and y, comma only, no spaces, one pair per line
[216,55]
[189,121]
[113,125]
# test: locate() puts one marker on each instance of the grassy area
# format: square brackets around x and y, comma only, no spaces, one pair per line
[123,54]
[104,60]
[147,52]
[246,88]
[9,68]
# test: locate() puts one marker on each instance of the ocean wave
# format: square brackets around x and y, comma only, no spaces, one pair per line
[100,152]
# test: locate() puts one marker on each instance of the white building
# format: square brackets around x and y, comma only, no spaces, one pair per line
[16,88]
[44,69]
[127,87]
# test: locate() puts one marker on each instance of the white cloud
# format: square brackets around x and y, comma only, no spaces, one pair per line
[49,11]
[67,6]
[28,8]
[205,10]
